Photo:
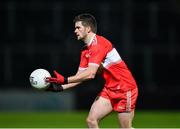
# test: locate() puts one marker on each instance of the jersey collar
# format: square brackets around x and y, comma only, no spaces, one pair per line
[91,40]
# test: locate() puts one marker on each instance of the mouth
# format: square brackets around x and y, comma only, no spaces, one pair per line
[78,36]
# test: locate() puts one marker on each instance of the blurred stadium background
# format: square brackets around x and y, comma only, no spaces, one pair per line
[39,34]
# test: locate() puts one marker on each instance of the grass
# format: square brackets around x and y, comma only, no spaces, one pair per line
[143,119]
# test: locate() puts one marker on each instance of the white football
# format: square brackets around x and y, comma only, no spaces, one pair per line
[37,78]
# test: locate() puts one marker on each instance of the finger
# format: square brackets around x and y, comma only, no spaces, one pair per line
[47,78]
[56,73]
[51,79]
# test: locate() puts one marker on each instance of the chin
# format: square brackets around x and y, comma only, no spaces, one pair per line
[79,38]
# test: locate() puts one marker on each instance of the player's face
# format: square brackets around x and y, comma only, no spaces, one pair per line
[80,31]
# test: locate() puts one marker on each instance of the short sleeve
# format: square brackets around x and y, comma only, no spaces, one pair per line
[97,54]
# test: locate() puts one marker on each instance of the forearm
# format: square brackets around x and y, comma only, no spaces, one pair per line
[83,76]
[67,86]
[72,81]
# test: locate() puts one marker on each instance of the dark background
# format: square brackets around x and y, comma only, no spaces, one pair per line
[39,34]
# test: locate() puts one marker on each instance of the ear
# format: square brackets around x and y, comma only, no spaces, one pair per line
[88,29]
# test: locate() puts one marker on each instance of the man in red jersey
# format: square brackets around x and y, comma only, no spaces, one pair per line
[120,90]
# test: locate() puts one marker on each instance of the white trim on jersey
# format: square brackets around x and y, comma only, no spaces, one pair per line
[93,64]
[92,39]
[81,68]
[128,104]
[112,57]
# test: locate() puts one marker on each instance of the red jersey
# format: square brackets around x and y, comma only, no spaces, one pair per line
[115,72]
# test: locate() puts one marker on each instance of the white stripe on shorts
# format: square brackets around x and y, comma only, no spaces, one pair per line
[128,105]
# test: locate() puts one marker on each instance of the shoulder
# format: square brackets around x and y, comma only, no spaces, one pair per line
[102,39]
[100,45]
[99,37]
[103,42]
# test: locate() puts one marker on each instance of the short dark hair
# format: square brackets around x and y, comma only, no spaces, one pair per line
[87,20]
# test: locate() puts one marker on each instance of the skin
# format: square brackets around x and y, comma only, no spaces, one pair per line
[85,34]
[97,111]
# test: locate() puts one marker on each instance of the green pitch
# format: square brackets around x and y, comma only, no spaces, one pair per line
[143,119]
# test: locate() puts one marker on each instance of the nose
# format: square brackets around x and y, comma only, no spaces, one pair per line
[75,31]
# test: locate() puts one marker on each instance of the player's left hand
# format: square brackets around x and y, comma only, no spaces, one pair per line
[55,88]
[58,79]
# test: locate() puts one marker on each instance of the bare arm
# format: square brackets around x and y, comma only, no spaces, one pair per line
[66,86]
[81,76]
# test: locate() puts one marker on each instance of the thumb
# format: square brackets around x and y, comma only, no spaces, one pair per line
[56,73]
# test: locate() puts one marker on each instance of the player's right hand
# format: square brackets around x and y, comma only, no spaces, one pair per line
[58,79]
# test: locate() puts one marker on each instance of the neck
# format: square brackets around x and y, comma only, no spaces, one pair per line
[88,38]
